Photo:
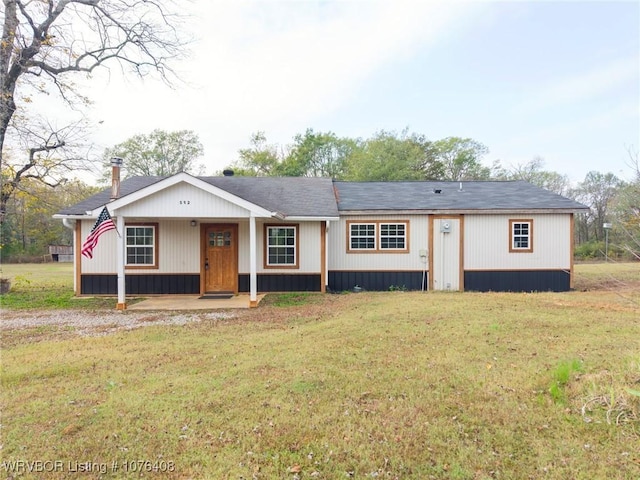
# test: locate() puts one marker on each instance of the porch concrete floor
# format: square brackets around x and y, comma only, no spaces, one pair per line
[190,302]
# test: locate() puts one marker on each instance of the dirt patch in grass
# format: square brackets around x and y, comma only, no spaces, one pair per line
[621,277]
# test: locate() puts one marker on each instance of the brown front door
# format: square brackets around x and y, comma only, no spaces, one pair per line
[220,258]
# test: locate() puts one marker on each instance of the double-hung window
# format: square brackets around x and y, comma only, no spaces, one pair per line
[142,246]
[362,236]
[377,236]
[521,235]
[393,236]
[281,246]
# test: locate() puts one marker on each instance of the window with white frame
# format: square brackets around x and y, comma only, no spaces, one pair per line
[362,236]
[281,246]
[393,236]
[377,237]
[141,246]
[521,235]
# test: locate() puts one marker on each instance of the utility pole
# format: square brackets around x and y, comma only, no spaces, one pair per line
[607,227]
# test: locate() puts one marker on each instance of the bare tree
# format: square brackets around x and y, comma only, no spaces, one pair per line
[44,46]
[534,173]
[627,208]
[598,191]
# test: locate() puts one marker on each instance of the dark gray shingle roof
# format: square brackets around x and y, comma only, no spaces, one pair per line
[490,195]
[127,186]
[314,197]
[301,197]
[291,196]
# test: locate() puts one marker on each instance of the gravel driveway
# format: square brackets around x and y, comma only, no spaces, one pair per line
[100,322]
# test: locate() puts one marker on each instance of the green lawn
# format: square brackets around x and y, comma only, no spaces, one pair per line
[369,385]
[45,285]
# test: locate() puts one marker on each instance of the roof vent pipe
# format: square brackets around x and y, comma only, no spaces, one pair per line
[116,163]
[228,172]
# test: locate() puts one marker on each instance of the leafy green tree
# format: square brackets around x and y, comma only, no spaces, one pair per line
[461,159]
[317,155]
[387,157]
[158,153]
[44,46]
[261,159]
[29,228]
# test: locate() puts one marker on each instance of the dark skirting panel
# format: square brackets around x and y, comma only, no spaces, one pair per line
[161,284]
[282,282]
[517,281]
[340,281]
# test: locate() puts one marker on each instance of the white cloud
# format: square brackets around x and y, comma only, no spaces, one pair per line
[274,66]
[286,64]
[585,86]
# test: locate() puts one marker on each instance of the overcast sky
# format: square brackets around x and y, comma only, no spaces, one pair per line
[559,80]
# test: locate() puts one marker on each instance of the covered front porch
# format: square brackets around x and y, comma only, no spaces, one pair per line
[194,302]
[185,236]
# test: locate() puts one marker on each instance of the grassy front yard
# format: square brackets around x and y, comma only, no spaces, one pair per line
[369,385]
[44,285]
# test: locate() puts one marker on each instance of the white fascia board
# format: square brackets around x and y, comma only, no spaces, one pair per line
[347,213]
[311,219]
[133,197]
[57,216]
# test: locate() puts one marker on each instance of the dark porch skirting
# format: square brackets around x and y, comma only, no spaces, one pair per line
[282,282]
[189,284]
[518,281]
[161,284]
[340,281]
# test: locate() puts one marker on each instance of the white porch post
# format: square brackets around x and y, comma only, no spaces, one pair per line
[326,257]
[253,268]
[120,242]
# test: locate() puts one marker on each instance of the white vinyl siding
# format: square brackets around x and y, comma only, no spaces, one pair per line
[487,242]
[308,244]
[173,256]
[183,201]
[409,259]
[445,271]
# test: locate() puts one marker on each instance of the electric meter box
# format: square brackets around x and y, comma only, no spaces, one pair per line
[445,227]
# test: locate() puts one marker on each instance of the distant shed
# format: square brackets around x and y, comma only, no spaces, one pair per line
[61,253]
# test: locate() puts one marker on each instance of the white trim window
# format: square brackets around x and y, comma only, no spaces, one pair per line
[377,237]
[521,233]
[393,236]
[282,246]
[141,248]
[362,236]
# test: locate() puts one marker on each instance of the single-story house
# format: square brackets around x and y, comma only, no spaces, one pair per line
[196,235]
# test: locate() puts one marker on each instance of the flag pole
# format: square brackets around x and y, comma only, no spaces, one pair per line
[120,256]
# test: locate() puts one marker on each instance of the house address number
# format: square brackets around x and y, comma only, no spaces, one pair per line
[185,202]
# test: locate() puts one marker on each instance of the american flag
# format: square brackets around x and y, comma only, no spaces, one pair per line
[103,224]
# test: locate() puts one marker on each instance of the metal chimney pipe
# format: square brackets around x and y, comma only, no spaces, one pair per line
[116,163]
